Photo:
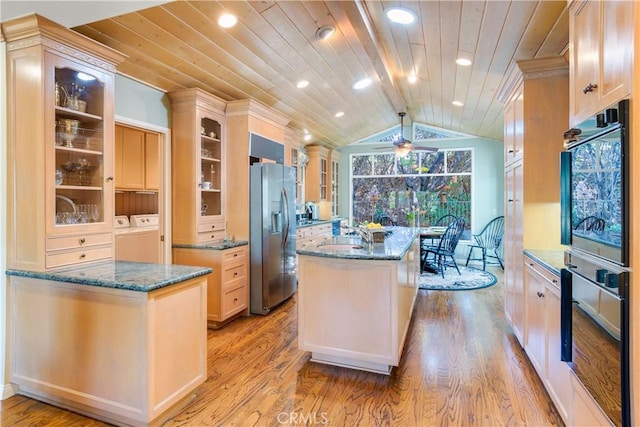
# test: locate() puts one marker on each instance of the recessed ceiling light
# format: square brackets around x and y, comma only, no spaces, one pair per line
[227,20]
[302,84]
[339,114]
[325,32]
[463,61]
[457,103]
[305,131]
[307,137]
[361,84]
[401,15]
[412,78]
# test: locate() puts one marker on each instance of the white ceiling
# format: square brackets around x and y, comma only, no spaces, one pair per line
[178,44]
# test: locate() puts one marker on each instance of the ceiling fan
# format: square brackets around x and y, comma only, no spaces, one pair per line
[402,147]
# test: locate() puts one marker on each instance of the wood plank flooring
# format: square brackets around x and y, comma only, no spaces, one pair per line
[462,366]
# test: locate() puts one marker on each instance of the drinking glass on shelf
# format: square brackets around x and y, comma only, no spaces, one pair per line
[94,212]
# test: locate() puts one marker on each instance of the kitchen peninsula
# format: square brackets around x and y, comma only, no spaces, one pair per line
[355,299]
[119,341]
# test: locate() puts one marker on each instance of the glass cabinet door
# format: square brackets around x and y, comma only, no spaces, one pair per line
[82,162]
[210,167]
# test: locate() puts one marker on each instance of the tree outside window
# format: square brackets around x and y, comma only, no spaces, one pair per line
[413,191]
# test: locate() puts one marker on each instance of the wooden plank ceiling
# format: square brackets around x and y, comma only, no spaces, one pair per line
[179,45]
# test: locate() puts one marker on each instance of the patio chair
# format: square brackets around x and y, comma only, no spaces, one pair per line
[488,241]
[443,254]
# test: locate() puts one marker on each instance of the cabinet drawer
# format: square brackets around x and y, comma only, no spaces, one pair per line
[233,257]
[234,273]
[546,274]
[79,241]
[234,301]
[211,226]
[62,258]
[210,236]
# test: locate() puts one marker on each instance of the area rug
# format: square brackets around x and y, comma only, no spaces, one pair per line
[469,278]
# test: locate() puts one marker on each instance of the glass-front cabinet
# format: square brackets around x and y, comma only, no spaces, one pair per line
[81,172]
[210,167]
[198,167]
[60,129]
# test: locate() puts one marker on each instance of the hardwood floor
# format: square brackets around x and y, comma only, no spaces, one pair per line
[462,366]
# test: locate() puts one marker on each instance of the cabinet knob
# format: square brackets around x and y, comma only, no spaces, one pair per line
[235,255]
[540,294]
[213,226]
[82,240]
[511,151]
[554,281]
[82,256]
[589,88]
[235,300]
[235,274]
[510,200]
[109,178]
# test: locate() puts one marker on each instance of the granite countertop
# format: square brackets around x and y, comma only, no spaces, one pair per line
[214,246]
[132,276]
[394,248]
[552,260]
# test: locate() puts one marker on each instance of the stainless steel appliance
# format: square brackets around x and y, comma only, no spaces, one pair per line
[594,185]
[272,236]
[595,330]
[595,283]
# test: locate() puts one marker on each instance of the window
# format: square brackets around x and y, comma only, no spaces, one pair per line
[415,190]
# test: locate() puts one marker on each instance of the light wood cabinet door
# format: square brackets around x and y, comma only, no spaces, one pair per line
[60,141]
[151,162]
[513,247]
[601,49]
[136,159]
[198,165]
[535,318]
[558,372]
[133,158]
[317,171]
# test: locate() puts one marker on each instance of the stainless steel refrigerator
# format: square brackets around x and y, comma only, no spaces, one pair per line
[272,236]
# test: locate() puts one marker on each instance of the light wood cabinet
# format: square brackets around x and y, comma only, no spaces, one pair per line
[227,286]
[313,234]
[136,159]
[198,159]
[513,112]
[534,124]
[585,412]
[60,123]
[542,337]
[119,355]
[317,173]
[601,52]
[513,248]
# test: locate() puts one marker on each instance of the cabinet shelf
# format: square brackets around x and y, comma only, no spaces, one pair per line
[78,150]
[78,187]
[210,159]
[68,113]
[211,190]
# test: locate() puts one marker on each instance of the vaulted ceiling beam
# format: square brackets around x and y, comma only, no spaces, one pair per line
[380,60]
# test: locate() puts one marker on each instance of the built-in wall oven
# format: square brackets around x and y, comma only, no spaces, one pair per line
[595,280]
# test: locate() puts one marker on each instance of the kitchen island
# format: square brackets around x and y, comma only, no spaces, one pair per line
[355,299]
[124,342]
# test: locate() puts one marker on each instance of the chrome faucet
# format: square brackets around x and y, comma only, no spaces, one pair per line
[362,232]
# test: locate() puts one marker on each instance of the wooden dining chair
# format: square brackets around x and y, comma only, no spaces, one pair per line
[488,241]
[443,255]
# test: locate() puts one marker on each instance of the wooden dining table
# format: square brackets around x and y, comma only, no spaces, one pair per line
[433,233]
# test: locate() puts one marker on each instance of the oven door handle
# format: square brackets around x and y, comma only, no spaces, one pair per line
[566,322]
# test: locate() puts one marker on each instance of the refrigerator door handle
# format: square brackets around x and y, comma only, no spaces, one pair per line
[285,234]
